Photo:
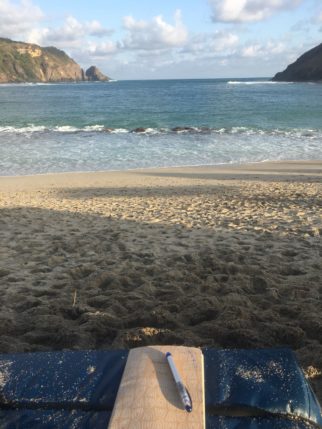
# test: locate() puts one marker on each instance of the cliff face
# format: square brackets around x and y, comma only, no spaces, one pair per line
[307,67]
[26,62]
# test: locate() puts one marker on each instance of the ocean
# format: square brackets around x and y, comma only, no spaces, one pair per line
[124,125]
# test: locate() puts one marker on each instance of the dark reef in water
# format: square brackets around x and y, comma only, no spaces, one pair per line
[307,68]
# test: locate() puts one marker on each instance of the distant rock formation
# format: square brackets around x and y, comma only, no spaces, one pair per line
[27,62]
[94,74]
[307,68]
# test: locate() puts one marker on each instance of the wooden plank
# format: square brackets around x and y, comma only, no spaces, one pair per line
[148,397]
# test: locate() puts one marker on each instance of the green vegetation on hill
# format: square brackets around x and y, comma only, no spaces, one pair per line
[57,52]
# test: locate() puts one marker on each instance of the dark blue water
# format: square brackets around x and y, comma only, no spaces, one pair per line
[132,124]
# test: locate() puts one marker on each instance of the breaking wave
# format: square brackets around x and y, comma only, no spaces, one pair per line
[99,128]
[257,82]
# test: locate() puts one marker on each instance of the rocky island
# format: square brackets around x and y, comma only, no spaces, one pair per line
[27,62]
[307,68]
[94,74]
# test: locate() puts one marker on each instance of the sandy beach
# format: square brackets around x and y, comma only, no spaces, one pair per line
[211,256]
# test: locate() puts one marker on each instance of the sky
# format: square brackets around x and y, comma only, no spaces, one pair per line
[149,39]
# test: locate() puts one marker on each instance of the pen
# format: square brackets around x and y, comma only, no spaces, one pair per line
[184,395]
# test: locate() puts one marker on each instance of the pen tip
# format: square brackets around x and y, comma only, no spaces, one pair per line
[167,354]
[188,408]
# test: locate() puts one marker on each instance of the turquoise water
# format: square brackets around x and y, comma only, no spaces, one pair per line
[134,124]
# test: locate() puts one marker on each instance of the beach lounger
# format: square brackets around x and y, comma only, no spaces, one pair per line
[248,389]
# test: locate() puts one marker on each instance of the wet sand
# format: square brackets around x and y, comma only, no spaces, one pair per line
[212,256]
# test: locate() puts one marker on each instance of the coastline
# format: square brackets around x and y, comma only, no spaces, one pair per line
[290,168]
[224,256]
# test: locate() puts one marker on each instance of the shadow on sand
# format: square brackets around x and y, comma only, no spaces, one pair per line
[84,281]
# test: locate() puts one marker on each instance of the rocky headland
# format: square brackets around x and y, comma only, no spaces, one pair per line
[307,68]
[27,62]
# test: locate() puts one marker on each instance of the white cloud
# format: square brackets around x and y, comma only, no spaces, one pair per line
[217,43]
[36,35]
[95,28]
[270,49]
[102,49]
[16,19]
[83,41]
[154,34]
[223,41]
[71,34]
[24,21]
[252,51]
[248,10]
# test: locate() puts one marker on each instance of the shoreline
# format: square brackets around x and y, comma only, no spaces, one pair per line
[203,256]
[292,168]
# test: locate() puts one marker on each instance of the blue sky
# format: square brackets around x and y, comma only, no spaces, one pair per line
[148,39]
